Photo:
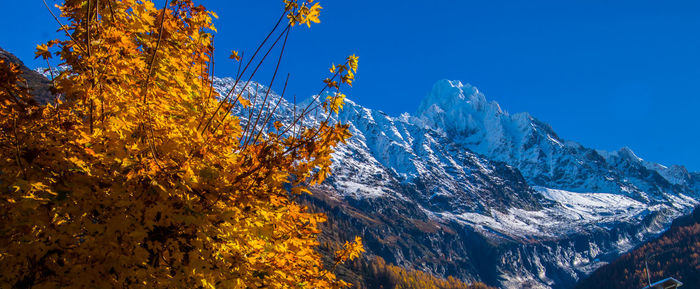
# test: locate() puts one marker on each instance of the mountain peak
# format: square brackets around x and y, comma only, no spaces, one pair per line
[627,153]
[451,95]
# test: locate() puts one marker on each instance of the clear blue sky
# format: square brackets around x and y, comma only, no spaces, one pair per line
[607,74]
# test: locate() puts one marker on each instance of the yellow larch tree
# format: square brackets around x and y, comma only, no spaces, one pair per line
[139,176]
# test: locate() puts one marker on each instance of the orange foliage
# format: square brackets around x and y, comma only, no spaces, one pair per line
[376,273]
[138,177]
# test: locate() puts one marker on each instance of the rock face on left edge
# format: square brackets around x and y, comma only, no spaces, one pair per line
[39,86]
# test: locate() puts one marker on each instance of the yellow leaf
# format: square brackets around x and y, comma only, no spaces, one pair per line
[245,102]
[352,62]
[234,55]
[43,51]
[314,12]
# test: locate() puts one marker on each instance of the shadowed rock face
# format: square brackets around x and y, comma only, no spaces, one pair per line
[39,86]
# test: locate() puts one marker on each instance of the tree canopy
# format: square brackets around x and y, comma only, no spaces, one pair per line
[139,176]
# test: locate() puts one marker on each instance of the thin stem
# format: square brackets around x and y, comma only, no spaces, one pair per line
[251,111]
[53,82]
[18,150]
[87,27]
[271,113]
[150,139]
[92,106]
[111,10]
[230,107]
[240,63]
[228,95]
[77,44]
[211,85]
[308,106]
[272,81]
[155,52]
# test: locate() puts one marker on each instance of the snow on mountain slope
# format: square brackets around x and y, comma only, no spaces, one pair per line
[443,176]
[573,210]
[461,112]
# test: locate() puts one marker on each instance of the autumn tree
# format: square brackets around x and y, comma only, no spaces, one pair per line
[377,273]
[139,176]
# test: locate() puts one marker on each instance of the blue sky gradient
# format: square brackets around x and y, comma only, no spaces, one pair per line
[607,74]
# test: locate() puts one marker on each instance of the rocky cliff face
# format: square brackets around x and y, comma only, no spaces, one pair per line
[531,146]
[39,85]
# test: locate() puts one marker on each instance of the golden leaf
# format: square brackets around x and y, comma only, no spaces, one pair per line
[234,55]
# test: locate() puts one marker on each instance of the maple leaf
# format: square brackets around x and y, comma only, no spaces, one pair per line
[313,14]
[42,50]
[234,55]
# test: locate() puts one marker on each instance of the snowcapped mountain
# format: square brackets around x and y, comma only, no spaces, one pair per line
[464,188]
[532,147]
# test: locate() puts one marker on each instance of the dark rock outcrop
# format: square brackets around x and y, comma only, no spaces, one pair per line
[39,86]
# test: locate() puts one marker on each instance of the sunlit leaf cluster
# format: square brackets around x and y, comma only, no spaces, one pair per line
[305,13]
